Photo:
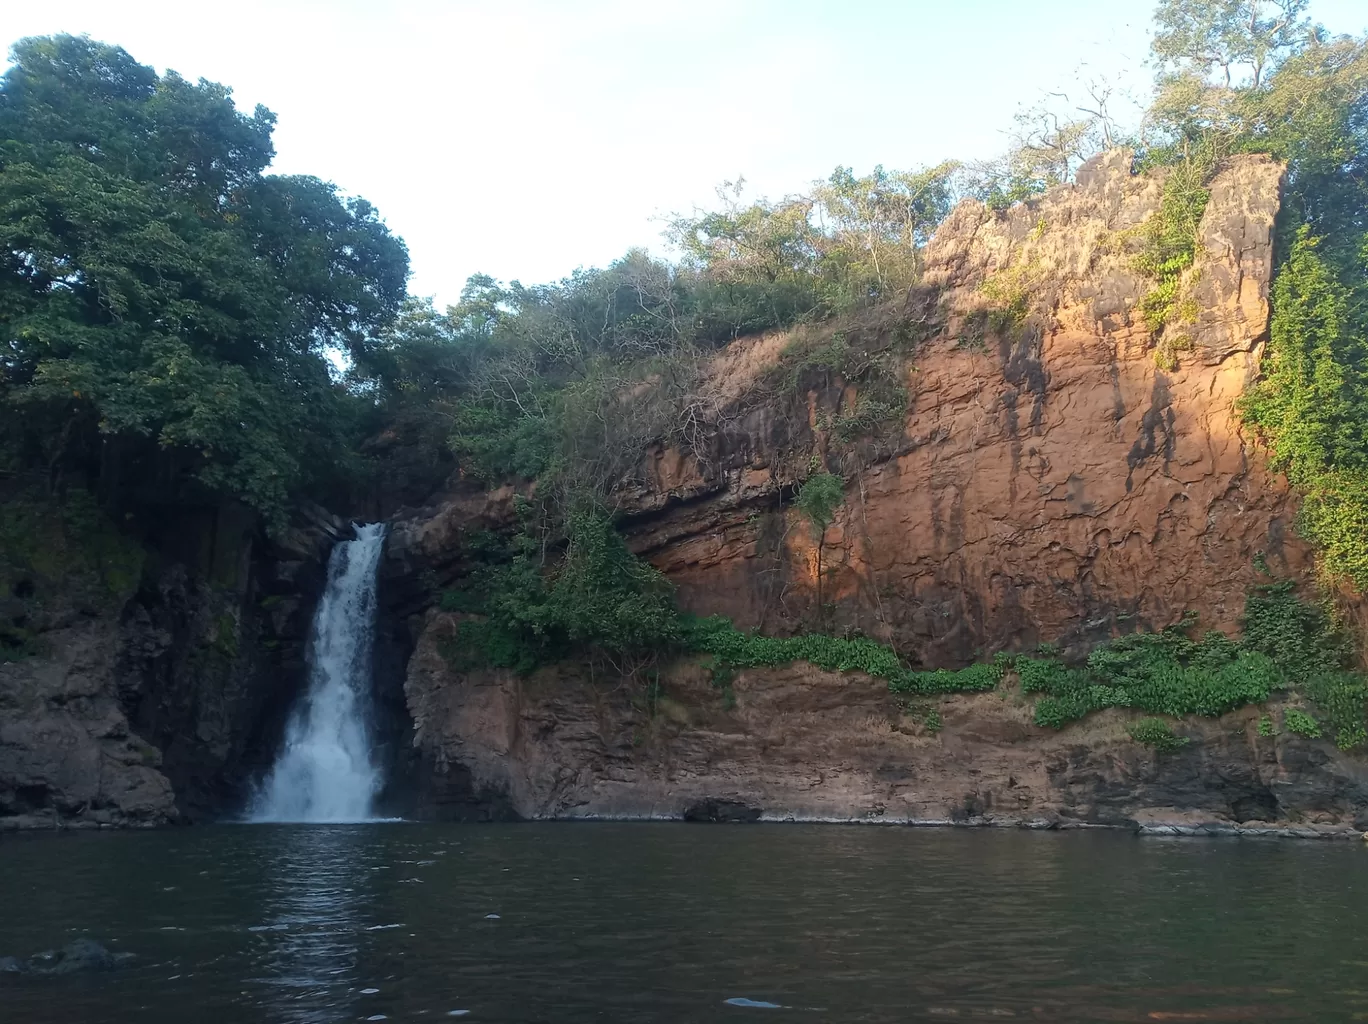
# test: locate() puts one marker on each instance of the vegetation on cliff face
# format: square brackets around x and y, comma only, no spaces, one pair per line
[1254,80]
[1257,77]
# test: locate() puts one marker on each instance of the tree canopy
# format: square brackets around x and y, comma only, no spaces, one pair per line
[168,308]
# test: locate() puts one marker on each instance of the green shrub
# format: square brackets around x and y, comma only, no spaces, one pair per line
[1157,734]
[1168,240]
[1302,724]
[1266,725]
[734,649]
[1341,697]
[1311,407]
[599,597]
[972,679]
[1287,644]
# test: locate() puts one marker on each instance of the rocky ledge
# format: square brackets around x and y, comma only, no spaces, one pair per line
[801,744]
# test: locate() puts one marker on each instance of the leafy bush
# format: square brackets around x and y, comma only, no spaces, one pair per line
[1156,733]
[1341,698]
[1301,723]
[1312,405]
[733,648]
[1287,644]
[972,679]
[598,598]
[1168,239]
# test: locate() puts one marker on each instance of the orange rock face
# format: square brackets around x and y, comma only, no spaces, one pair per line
[1060,474]
[1063,479]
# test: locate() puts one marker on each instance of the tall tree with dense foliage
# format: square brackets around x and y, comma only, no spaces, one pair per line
[167,308]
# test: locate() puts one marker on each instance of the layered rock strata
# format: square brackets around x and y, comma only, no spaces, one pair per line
[798,743]
[1062,474]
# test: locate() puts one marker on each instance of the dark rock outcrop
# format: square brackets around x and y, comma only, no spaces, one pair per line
[79,956]
[161,702]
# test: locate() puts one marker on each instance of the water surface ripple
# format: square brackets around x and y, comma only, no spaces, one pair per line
[678,923]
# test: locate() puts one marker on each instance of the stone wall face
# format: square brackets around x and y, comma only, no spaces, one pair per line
[1051,483]
[1053,480]
[166,705]
[798,743]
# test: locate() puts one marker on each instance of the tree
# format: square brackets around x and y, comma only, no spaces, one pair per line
[1202,37]
[167,308]
[818,499]
[879,223]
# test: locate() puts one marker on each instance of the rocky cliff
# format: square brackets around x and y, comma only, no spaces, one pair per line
[146,680]
[1058,473]
[797,743]
[1051,481]
[1024,461]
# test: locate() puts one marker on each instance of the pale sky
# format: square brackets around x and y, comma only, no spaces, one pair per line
[524,139]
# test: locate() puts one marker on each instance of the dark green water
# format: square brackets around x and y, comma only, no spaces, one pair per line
[664,923]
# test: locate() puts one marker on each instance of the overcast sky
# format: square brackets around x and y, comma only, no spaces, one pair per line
[524,139]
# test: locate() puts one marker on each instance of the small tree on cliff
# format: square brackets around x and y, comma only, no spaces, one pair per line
[818,500]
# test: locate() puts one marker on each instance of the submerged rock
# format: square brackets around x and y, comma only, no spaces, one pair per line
[721,810]
[81,955]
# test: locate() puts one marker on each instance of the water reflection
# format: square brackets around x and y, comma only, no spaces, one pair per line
[319,884]
[672,924]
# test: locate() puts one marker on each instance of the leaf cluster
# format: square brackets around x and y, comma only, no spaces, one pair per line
[1287,644]
[163,300]
[597,599]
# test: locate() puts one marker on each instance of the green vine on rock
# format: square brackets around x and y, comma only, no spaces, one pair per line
[1169,240]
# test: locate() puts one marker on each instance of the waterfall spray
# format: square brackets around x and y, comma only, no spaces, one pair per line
[325,772]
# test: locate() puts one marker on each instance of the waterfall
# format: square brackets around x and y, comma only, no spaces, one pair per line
[325,772]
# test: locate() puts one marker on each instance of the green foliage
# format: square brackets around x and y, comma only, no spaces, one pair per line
[1312,405]
[1302,724]
[1162,673]
[1157,734]
[1009,294]
[1287,644]
[1230,38]
[1341,698]
[1168,246]
[1266,726]
[1300,637]
[166,306]
[1252,77]
[925,713]
[819,498]
[971,679]
[852,241]
[733,649]
[869,415]
[881,397]
[598,599]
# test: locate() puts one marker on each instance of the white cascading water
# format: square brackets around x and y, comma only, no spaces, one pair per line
[326,773]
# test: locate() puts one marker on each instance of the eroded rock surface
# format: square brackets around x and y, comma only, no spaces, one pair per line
[1053,480]
[800,743]
[1051,483]
[160,703]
